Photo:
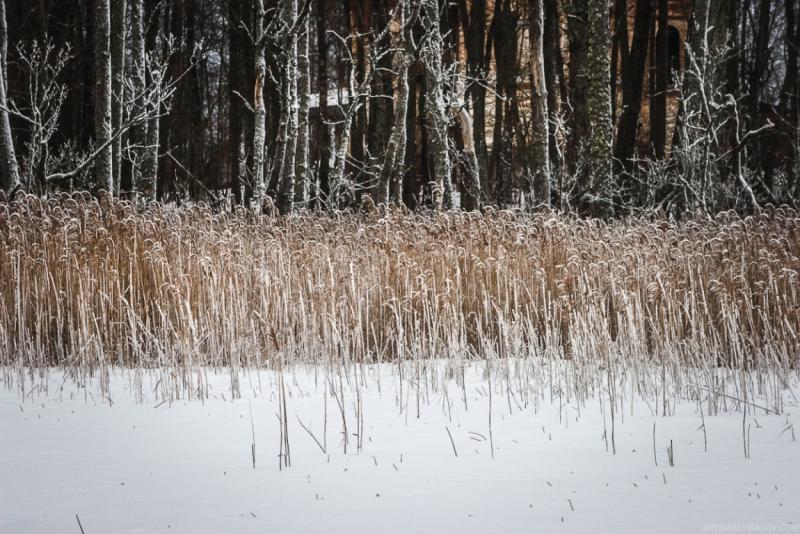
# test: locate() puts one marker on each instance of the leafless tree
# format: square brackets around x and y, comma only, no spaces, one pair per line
[9,173]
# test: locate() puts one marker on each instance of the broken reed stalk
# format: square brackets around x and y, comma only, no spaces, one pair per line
[253,436]
[453,443]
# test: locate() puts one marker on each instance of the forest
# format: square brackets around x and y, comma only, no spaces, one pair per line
[597,107]
[399,266]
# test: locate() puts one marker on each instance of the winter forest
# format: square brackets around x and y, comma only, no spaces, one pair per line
[590,106]
[402,266]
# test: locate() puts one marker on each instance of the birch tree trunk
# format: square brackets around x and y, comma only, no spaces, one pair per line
[104,177]
[436,109]
[540,134]
[9,173]
[259,130]
[391,175]
[118,88]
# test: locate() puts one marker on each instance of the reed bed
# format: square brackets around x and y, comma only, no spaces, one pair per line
[88,284]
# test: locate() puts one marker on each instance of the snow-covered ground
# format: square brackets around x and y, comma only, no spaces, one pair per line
[545,464]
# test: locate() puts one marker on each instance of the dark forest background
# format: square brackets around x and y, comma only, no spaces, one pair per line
[601,107]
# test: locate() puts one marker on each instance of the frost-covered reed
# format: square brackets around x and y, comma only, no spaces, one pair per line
[87,285]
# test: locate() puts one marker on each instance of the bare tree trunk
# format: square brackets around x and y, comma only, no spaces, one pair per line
[436,108]
[760,61]
[302,174]
[599,99]
[471,195]
[149,181]
[474,24]
[553,73]
[792,52]
[391,175]
[632,85]
[619,50]
[324,142]
[658,110]
[9,173]
[259,131]
[118,27]
[790,97]
[138,136]
[104,177]
[410,178]
[507,140]
[578,118]
[287,143]
[385,60]
[540,130]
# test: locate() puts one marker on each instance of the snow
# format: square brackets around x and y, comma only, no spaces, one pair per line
[155,465]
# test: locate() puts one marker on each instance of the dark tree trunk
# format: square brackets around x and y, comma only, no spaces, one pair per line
[237,89]
[473,20]
[118,31]
[632,86]
[324,143]
[658,109]
[9,173]
[540,131]
[619,50]
[553,73]
[790,97]
[103,168]
[410,187]
[578,118]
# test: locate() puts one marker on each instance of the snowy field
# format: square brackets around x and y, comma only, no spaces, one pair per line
[429,448]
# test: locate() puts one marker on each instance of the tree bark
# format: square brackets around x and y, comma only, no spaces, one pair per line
[540,131]
[619,50]
[578,119]
[259,131]
[390,186]
[474,24]
[471,194]
[302,175]
[760,61]
[633,85]
[149,183]
[791,50]
[9,172]
[410,177]
[287,143]
[436,108]
[138,135]
[324,141]
[553,73]
[104,177]
[790,97]
[658,109]
[118,27]
[599,97]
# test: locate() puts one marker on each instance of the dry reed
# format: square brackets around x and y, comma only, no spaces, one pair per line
[87,284]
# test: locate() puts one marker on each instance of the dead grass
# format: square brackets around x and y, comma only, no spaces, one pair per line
[85,285]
